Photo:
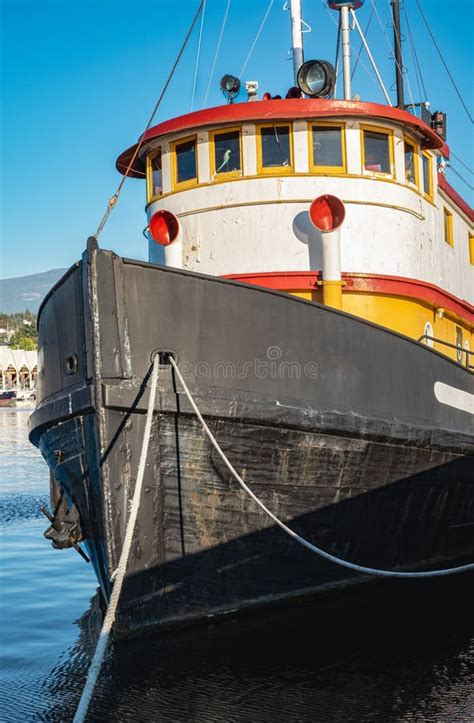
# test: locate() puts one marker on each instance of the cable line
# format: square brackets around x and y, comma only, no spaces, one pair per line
[418,73]
[461,162]
[198,54]
[469,185]
[216,54]
[362,44]
[256,38]
[444,62]
[392,49]
[113,200]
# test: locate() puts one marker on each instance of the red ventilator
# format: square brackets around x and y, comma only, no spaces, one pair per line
[327,213]
[164,227]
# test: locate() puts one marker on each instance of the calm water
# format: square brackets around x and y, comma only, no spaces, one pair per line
[401,652]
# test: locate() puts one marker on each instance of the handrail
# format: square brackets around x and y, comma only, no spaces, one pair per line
[458,348]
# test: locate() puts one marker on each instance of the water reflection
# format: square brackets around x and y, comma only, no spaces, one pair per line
[393,652]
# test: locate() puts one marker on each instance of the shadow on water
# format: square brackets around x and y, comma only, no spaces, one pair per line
[399,651]
[391,651]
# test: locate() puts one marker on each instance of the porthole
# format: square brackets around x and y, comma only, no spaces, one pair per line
[428,331]
[71,364]
[459,349]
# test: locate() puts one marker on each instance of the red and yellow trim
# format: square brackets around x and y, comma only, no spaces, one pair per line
[268,111]
[398,303]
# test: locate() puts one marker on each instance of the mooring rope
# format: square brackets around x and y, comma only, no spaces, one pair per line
[292,533]
[113,199]
[119,574]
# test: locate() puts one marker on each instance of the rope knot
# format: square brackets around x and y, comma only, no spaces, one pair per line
[112,201]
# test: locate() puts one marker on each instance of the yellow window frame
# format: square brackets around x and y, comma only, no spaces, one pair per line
[149,174]
[274,170]
[448,226]
[327,170]
[429,194]
[391,154]
[471,247]
[181,186]
[416,151]
[216,177]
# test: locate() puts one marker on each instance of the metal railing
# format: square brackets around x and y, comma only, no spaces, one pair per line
[460,350]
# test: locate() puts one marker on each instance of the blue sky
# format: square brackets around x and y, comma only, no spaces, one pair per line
[80,78]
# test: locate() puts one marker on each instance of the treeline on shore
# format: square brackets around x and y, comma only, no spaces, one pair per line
[18,331]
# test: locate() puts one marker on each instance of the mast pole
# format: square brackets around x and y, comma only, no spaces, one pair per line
[296,36]
[346,50]
[397,41]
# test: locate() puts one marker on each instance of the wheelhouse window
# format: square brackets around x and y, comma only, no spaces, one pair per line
[226,155]
[327,148]
[275,153]
[448,227]
[377,151]
[154,175]
[427,176]
[185,162]
[411,162]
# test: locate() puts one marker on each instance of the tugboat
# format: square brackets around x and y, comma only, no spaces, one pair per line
[311,275]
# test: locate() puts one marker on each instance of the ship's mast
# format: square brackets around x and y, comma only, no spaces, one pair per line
[398,52]
[346,51]
[296,36]
[345,8]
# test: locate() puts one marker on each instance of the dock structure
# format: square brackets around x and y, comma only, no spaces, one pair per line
[18,368]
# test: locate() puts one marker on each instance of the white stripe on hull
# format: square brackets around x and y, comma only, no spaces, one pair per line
[457,398]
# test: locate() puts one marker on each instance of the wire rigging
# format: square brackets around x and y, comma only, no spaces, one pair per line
[198,54]
[462,162]
[401,68]
[364,65]
[416,62]
[362,44]
[216,54]
[461,177]
[113,200]
[444,62]
[259,31]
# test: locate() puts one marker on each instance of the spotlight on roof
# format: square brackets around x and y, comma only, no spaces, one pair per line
[230,86]
[316,78]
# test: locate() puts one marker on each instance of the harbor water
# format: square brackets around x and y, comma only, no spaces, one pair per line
[399,651]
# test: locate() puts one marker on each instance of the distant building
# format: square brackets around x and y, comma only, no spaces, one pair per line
[18,368]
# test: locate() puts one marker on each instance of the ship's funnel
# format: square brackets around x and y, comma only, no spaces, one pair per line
[327,214]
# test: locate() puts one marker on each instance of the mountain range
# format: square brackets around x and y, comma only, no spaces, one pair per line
[26,292]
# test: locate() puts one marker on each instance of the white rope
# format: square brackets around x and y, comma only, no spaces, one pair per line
[198,54]
[292,533]
[249,54]
[216,54]
[119,573]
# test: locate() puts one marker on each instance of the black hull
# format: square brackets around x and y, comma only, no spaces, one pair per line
[332,421]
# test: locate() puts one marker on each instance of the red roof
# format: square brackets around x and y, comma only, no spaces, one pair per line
[288,109]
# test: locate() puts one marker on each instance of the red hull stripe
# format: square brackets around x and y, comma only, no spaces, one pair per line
[455,197]
[370,283]
[288,109]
